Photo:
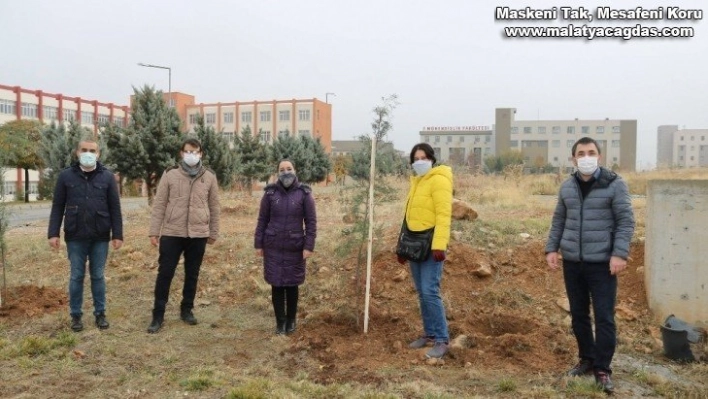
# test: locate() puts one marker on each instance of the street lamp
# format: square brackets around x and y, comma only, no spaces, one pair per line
[169,83]
[327,97]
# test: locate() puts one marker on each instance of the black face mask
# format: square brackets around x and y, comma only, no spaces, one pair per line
[286,179]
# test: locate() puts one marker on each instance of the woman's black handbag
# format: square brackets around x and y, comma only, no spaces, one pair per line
[414,245]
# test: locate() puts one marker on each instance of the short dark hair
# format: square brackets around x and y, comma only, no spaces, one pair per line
[427,149]
[277,167]
[585,140]
[193,142]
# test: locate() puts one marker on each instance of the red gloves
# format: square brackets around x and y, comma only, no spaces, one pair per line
[401,260]
[438,255]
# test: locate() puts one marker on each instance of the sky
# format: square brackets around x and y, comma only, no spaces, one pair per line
[448,61]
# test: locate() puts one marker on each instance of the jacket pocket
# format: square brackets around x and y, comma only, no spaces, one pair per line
[71,219]
[295,242]
[99,191]
[103,223]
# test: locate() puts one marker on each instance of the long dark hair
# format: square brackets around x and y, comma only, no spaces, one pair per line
[427,149]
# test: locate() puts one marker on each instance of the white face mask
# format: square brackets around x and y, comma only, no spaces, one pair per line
[422,166]
[191,159]
[587,165]
[88,159]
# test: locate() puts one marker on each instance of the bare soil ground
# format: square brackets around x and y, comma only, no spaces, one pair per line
[518,340]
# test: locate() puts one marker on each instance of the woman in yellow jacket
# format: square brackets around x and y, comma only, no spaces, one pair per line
[429,204]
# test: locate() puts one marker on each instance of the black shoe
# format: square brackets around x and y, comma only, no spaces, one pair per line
[188,317]
[602,378]
[280,326]
[101,321]
[584,367]
[290,326]
[155,325]
[76,323]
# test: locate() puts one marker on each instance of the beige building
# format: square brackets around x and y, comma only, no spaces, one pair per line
[460,144]
[550,141]
[17,103]
[665,145]
[690,148]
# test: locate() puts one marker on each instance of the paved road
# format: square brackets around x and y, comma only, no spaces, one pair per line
[23,214]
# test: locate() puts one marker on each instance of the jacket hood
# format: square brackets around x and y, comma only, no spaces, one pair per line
[606,177]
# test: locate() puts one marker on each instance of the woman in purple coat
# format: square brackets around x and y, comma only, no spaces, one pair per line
[285,238]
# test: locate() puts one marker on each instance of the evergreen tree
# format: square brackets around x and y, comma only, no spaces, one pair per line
[58,150]
[20,140]
[251,159]
[318,164]
[387,160]
[215,152]
[151,141]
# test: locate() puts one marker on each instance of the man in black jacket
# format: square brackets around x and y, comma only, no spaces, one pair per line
[86,194]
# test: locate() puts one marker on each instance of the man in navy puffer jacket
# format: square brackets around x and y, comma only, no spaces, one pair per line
[592,226]
[86,198]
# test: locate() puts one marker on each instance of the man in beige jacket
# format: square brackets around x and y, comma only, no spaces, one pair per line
[185,218]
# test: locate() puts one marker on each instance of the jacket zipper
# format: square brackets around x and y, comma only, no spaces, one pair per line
[189,202]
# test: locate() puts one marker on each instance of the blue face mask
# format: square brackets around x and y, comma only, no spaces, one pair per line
[88,159]
[422,166]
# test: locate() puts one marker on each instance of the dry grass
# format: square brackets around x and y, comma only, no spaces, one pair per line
[232,353]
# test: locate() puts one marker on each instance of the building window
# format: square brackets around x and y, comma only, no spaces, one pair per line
[437,152]
[265,136]
[228,117]
[283,116]
[542,130]
[246,117]
[555,159]
[118,120]
[569,143]
[487,139]
[462,139]
[556,143]
[304,114]
[514,143]
[49,112]
[556,129]
[476,139]
[449,139]
[210,118]
[265,116]
[599,129]
[228,136]
[437,139]
[7,107]
[487,150]
[571,130]
[615,143]
[29,110]
[585,129]
[681,158]
[693,138]
[527,130]
[614,159]
[691,157]
[87,118]
[103,119]
[703,138]
[681,138]
[542,143]
[615,129]
[303,133]
[283,133]
[514,130]
[193,118]
[69,114]
[426,139]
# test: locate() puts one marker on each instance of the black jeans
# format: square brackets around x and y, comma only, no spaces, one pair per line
[587,282]
[171,248]
[282,297]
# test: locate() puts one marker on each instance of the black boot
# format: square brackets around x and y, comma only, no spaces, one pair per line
[156,324]
[280,325]
[76,324]
[290,326]
[188,317]
[101,321]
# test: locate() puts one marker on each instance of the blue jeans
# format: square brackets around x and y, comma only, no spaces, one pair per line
[585,283]
[426,277]
[96,253]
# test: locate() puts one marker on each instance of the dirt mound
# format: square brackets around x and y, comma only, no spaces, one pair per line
[31,301]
